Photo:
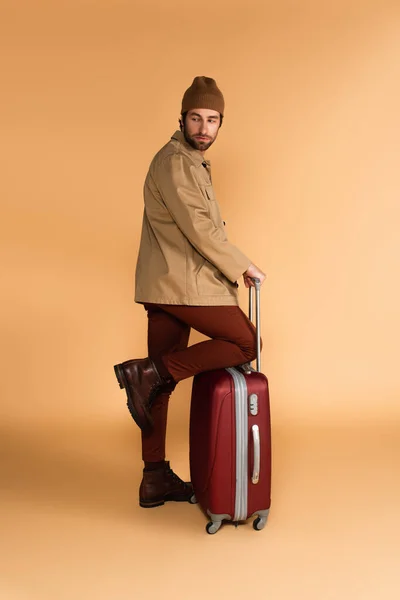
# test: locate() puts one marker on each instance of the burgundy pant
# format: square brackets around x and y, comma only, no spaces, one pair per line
[233,342]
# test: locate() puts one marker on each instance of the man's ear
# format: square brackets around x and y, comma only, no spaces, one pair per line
[180,123]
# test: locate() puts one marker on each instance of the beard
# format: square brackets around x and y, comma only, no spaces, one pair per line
[196,144]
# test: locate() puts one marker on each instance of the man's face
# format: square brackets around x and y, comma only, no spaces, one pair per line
[201,128]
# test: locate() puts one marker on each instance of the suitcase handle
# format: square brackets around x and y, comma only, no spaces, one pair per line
[257,287]
[256,454]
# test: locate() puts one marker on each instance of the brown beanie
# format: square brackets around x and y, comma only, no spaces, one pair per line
[203,93]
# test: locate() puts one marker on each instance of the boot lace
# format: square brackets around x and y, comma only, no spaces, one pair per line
[159,388]
[175,478]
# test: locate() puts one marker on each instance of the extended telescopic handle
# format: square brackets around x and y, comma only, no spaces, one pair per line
[257,286]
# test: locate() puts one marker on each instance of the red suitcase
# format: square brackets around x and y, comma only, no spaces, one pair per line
[230,442]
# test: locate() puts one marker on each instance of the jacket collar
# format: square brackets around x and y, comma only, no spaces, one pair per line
[194,154]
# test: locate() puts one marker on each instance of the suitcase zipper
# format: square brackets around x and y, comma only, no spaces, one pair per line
[241,419]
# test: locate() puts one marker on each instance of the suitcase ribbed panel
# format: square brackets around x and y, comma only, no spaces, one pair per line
[241,420]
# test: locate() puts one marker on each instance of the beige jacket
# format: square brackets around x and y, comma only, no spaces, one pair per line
[184,255]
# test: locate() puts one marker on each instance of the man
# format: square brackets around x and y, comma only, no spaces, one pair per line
[186,276]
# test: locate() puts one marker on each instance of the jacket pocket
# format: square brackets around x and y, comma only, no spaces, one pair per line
[211,282]
[213,206]
[210,192]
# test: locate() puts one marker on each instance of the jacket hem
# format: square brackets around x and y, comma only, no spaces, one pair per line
[192,301]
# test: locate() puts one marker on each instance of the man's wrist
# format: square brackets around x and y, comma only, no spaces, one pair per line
[250,265]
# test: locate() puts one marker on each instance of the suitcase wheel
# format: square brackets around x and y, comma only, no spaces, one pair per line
[212,527]
[259,523]
[193,499]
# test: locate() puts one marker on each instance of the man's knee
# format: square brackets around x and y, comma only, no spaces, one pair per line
[250,348]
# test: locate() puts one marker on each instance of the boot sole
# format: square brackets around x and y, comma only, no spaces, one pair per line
[162,502]
[124,385]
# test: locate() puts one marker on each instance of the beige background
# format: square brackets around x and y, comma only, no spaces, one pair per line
[306,169]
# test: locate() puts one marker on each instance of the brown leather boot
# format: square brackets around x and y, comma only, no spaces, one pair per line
[142,383]
[163,485]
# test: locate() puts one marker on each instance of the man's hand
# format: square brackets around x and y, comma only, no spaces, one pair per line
[253,271]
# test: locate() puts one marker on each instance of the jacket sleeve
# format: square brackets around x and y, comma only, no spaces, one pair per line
[189,209]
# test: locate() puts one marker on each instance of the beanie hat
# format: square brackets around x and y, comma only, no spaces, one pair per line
[203,93]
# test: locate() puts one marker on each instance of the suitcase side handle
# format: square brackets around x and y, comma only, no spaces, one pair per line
[256,454]
[257,287]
